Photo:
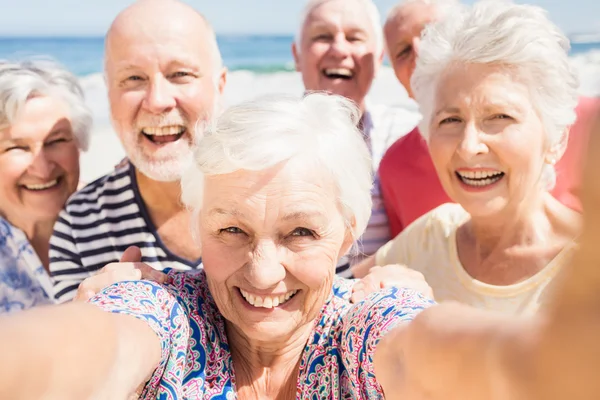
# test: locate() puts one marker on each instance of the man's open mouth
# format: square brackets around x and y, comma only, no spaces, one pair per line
[164,134]
[338,73]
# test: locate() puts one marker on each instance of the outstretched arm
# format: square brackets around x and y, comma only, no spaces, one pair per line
[452,351]
[75,351]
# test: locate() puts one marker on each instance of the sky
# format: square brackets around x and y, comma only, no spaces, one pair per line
[92,17]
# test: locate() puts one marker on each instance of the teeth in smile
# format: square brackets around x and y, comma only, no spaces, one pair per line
[163,130]
[480,178]
[42,186]
[267,301]
[339,71]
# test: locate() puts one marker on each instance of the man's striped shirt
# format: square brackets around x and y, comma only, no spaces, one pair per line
[97,225]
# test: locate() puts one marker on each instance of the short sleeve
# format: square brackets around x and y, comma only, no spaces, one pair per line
[397,250]
[363,327]
[159,308]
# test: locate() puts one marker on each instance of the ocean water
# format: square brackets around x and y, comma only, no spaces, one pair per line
[258,64]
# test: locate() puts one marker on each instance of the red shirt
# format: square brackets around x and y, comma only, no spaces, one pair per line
[410,186]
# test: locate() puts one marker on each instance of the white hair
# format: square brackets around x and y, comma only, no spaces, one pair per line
[258,134]
[372,14]
[23,80]
[517,37]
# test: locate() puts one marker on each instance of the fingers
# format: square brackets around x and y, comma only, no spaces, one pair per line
[109,275]
[132,254]
[150,273]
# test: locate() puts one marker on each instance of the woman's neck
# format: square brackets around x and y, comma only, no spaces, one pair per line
[267,369]
[38,234]
[509,248]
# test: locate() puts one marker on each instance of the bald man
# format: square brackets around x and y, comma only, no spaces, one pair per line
[163,72]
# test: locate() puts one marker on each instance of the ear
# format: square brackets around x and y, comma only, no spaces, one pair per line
[379,61]
[222,80]
[557,150]
[349,237]
[296,55]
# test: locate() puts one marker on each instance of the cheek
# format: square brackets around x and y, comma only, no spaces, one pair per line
[315,266]
[219,260]
[124,105]
[441,148]
[197,101]
[11,169]
[68,160]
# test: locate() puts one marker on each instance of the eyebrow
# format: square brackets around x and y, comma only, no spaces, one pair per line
[294,215]
[449,110]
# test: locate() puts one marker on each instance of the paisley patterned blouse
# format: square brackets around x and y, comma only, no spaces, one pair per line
[24,283]
[196,359]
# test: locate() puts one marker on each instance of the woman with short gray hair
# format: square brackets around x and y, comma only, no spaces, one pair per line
[44,124]
[497,96]
[280,189]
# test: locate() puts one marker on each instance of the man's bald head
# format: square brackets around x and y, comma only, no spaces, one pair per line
[402,30]
[145,17]
[163,73]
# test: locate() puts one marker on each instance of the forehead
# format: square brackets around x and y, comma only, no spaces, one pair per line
[286,186]
[484,84]
[38,117]
[410,19]
[137,44]
[341,14]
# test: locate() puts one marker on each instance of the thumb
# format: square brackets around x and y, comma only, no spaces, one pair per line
[131,254]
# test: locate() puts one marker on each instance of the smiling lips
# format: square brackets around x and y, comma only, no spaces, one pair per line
[267,301]
[164,134]
[41,186]
[479,178]
[338,73]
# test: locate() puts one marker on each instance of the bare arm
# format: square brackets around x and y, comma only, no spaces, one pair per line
[452,351]
[361,269]
[75,351]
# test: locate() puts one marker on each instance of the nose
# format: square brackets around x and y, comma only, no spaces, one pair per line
[42,166]
[265,270]
[340,47]
[471,143]
[159,97]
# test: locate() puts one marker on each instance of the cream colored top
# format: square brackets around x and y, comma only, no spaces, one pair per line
[428,245]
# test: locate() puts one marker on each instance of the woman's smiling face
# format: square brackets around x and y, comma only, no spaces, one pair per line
[270,243]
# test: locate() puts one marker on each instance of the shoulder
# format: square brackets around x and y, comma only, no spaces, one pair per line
[110,185]
[402,150]
[366,323]
[440,222]
[393,122]
[426,235]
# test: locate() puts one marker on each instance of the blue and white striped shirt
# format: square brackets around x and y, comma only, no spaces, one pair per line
[97,225]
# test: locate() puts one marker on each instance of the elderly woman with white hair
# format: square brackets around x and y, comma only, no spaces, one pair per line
[280,189]
[44,124]
[497,95]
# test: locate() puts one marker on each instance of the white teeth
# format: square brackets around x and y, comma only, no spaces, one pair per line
[479,174]
[267,301]
[338,71]
[480,178]
[164,130]
[42,186]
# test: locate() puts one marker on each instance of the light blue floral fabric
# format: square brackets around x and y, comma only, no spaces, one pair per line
[24,283]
